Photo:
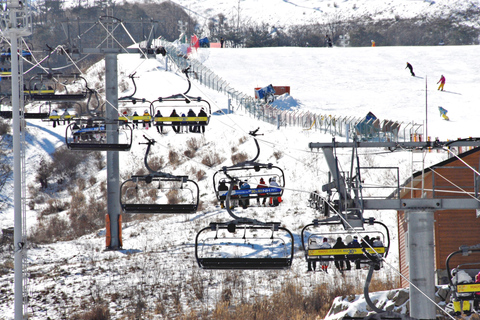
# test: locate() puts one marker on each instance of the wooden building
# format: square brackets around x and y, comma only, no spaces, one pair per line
[453,228]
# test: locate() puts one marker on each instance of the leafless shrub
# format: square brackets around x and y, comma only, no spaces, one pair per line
[242,140]
[226,295]
[199,174]
[65,162]
[92,180]
[239,157]
[156,163]
[211,160]
[43,173]
[141,172]
[172,197]
[54,206]
[81,184]
[99,160]
[189,153]
[4,127]
[124,85]
[86,217]
[288,303]
[173,158]
[193,144]
[198,286]
[278,155]
[103,189]
[152,194]
[234,149]
[49,230]
[5,172]
[97,312]
[6,266]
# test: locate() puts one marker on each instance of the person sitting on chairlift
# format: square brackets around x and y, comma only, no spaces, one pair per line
[146,123]
[245,202]
[201,124]
[175,128]
[274,201]
[325,263]
[222,186]
[135,122]
[262,185]
[312,263]
[192,124]
[159,123]
[55,121]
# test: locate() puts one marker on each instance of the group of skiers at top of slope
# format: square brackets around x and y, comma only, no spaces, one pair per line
[351,242]
[441,81]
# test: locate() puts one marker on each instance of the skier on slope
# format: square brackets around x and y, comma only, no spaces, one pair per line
[409,66]
[442,82]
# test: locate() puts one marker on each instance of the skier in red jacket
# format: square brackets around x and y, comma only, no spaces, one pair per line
[442,82]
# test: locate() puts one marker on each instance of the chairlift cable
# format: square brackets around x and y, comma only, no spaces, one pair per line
[384,261]
[388,264]
[73,62]
[456,156]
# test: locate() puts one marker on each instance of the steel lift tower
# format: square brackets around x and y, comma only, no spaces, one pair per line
[16,23]
[420,211]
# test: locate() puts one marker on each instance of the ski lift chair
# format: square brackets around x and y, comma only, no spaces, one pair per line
[92,134]
[332,228]
[179,101]
[469,258]
[251,171]
[143,194]
[43,88]
[244,245]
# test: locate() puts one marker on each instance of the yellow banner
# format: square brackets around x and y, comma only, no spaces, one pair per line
[46,91]
[474,287]
[338,252]
[180,119]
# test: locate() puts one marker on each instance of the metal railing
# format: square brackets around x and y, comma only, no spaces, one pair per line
[343,126]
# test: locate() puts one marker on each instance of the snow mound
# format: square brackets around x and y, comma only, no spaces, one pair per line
[285,102]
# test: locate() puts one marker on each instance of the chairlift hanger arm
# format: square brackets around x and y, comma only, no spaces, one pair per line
[131,76]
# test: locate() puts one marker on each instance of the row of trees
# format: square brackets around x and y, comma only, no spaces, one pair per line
[54,25]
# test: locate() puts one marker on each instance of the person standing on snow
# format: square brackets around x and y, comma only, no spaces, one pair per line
[409,66]
[442,82]
[328,41]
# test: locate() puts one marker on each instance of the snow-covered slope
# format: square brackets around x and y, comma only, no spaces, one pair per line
[157,264]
